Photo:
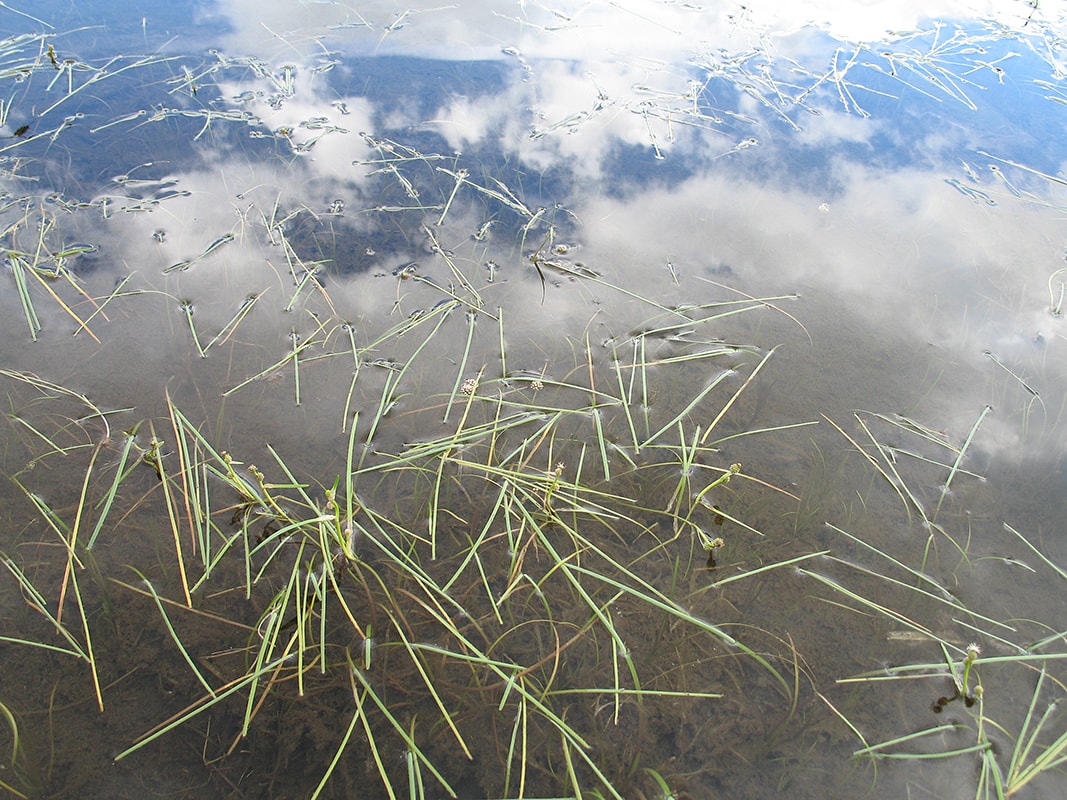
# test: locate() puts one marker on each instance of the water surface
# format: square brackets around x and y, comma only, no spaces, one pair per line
[498,294]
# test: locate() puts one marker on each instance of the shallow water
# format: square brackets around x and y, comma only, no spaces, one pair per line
[529,281]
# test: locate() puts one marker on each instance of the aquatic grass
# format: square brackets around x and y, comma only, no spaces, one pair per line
[187,311]
[468,385]
[1039,743]
[70,542]
[18,417]
[751,573]
[384,404]
[518,747]
[198,461]
[343,744]
[215,245]
[626,389]
[270,630]
[25,265]
[470,295]
[894,479]
[311,550]
[867,602]
[69,584]
[402,732]
[447,541]
[959,457]
[200,706]
[36,601]
[435,509]
[58,525]
[641,591]
[428,681]
[95,74]
[502,347]
[887,468]
[937,669]
[298,345]
[709,387]
[20,766]
[1042,756]
[103,508]
[90,656]
[1044,559]
[1056,294]
[243,310]
[725,409]
[190,484]
[513,679]
[189,501]
[934,591]
[502,194]
[472,567]
[536,494]
[18,271]
[304,276]
[173,634]
[141,590]
[884,749]
[1032,752]
[63,420]
[585,275]
[153,456]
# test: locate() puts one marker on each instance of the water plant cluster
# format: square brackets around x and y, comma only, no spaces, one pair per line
[520,563]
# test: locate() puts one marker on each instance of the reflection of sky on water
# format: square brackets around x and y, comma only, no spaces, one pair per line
[911,176]
[906,186]
[296,159]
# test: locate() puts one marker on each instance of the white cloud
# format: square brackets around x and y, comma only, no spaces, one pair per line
[573,29]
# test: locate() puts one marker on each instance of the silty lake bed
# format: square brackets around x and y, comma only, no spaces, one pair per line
[631,400]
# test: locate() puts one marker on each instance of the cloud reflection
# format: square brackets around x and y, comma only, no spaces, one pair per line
[804,166]
[740,144]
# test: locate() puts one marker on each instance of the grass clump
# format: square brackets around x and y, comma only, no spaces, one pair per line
[502,577]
